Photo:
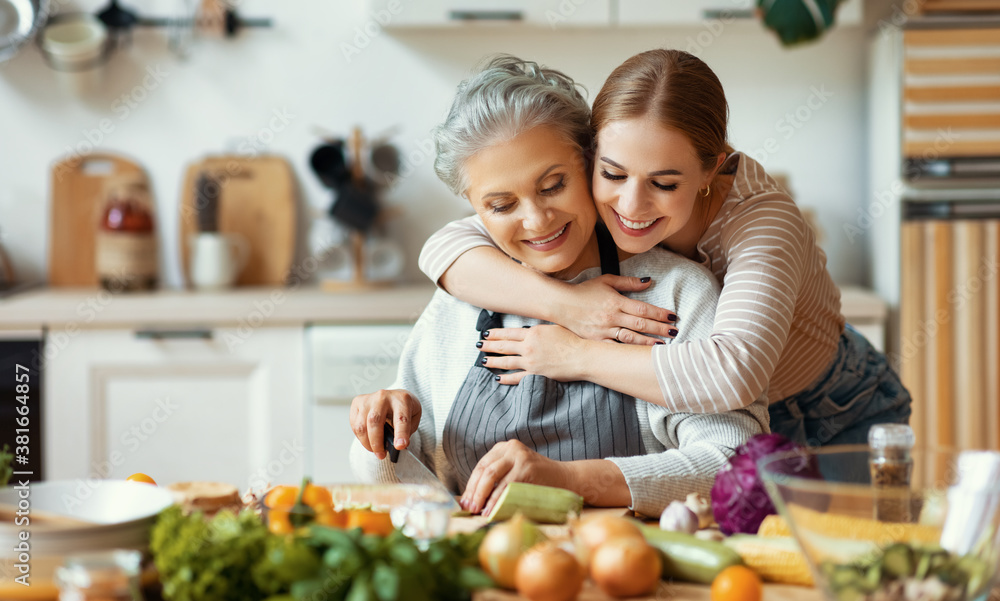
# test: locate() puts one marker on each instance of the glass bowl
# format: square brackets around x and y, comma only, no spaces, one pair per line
[936,539]
[422,512]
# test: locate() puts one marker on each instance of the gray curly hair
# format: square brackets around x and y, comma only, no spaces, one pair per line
[505,98]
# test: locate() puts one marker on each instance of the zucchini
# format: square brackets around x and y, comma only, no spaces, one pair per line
[689,558]
[540,504]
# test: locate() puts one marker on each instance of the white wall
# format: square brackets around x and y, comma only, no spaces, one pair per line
[227,91]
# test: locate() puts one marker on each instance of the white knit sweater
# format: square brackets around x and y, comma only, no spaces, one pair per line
[684,450]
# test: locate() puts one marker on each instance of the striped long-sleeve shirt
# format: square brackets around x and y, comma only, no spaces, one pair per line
[778,320]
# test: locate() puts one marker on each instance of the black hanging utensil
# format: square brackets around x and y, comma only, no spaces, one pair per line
[119,22]
[356,205]
[329,164]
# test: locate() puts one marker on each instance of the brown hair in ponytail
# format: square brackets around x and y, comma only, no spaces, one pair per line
[677,89]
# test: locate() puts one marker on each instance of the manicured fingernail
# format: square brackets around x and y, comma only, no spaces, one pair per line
[659,342]
[645,279]
[463,503]
[671,318]
[400,443]
[672,332]
[486,334]
[484,360]
[496,378]
[479,344]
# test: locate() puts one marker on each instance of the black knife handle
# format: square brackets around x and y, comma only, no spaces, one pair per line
[388,441]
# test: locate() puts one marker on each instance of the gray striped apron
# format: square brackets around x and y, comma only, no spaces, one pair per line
[565,421]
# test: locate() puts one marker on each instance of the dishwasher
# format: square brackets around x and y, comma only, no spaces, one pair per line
[344,361]
[21,412]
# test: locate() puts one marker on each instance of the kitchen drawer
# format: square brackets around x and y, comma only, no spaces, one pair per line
[346,361]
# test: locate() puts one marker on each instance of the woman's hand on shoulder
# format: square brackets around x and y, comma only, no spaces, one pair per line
[508,461]
[370,412]
[597,310]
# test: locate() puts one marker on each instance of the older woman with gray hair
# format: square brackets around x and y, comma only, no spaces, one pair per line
[516,144]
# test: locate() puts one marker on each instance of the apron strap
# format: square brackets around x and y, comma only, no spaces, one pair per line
[609,252]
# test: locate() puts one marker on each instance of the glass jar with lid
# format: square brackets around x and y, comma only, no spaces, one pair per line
[126,243]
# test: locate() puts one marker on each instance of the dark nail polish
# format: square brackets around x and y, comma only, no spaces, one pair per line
[644,280]
[479,344]
[671,318]
[484,360]
[486,334]
[672,332]
[659,342]
[496,378]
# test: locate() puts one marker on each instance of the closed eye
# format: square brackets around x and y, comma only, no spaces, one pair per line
[612,177]
[554,189]
[667,187]
[502,208]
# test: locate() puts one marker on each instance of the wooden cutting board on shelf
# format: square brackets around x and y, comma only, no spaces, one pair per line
[78,193]
[256,200]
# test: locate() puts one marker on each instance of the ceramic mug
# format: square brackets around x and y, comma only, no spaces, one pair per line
[217,259]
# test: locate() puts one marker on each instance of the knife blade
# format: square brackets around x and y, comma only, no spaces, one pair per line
[410,470]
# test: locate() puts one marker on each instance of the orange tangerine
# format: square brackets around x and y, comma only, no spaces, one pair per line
[140,477]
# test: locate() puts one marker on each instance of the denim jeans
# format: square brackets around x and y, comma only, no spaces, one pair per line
[858,390]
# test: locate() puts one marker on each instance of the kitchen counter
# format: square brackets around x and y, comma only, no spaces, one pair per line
[94,308]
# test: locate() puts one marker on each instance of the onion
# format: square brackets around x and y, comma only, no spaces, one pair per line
[594,531]
[548,573]
[626,567]
[503,546]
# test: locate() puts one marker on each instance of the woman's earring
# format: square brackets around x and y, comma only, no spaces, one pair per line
[708,190]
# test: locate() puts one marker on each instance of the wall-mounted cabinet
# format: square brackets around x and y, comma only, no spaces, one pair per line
[575,13]
[455,13]
[646,13]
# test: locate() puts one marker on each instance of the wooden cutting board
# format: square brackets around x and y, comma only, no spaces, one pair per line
[78,194]
[258,201]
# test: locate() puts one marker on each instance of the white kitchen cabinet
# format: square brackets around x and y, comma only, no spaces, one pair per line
[392,14]
[223,404]
[681,12]
[652,13]
[453,13]
[345,361]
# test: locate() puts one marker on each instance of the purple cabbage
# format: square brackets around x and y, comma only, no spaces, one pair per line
[739,500]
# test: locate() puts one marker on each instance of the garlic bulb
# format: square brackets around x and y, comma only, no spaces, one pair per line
[702,508]
[677,517]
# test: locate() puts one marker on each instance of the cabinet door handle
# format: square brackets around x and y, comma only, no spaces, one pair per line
[725,13]
[486,15]
[155,334]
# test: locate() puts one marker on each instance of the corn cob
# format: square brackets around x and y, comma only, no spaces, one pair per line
[774,526]
[540,504]
[774,559]
[812,522]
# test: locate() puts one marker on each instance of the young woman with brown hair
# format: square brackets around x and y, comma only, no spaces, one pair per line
[664,174]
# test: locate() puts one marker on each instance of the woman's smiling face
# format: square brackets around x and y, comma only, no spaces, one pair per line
[533,196]
[646,182]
